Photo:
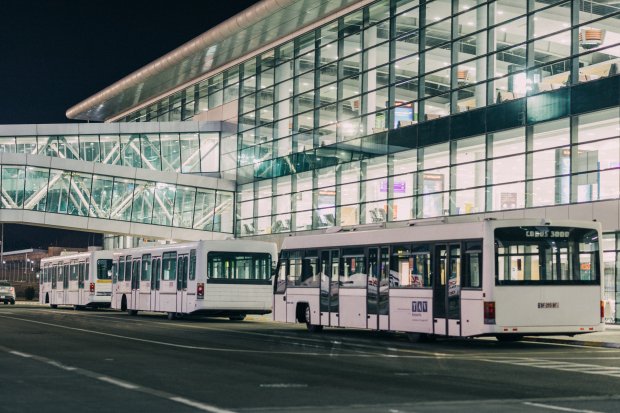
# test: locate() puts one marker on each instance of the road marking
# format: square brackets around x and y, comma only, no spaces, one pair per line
[20,354]
[229,350]
[560,408]
[284,385]
[559,366]
[120,383]
[200,406]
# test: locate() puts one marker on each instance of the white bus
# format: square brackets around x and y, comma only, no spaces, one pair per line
[217,278]
[79,280]
[506,279]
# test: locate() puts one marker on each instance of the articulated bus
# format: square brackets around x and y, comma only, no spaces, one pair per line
[218,278]
[502,278]
[79,280]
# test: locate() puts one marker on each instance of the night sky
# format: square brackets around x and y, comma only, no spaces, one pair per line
[56,53]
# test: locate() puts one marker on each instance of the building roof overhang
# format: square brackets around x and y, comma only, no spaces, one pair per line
[242,34]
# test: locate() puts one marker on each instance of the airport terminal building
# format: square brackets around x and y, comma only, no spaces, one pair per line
[305,115]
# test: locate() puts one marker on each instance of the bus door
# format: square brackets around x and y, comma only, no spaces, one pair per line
[352,288]
[81,298]
[54,273]
[372,294]
[144,290]
[192,284]
[65,283]
[155,282]
[182,265]
[329,287]
[279,288]
[133,303]
[447,290]
[73,289]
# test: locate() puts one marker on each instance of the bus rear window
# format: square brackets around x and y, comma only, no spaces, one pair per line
[546,255]
[239,266]
[104,268]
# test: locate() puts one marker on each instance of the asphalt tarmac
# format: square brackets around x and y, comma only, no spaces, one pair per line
[99,361]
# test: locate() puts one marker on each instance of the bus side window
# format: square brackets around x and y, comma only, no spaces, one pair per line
[472,278]
[169,266]
[114,272]
[121,269]
[294,268]
[146,268]
[192,265]
[128,268]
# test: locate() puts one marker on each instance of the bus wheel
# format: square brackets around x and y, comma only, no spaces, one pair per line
[509,338]
[53,306]
[420,337]
[132,312]
[238,317]
[171,316]
[313,328]
[77,307]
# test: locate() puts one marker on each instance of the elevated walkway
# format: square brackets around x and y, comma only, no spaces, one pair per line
[185,147]
[97,197]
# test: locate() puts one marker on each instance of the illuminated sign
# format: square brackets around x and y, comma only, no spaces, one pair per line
[547,234]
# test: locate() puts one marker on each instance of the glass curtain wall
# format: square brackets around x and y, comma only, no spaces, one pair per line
[567,160]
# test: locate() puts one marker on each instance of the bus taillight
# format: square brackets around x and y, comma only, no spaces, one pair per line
[602,310]
[200,290]
[489,312]
[92,287]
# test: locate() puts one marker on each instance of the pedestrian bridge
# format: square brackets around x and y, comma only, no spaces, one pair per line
[151,180]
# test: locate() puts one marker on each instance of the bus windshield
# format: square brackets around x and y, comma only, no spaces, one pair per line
[546,256]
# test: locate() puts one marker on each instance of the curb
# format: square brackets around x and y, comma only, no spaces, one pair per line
[599,344]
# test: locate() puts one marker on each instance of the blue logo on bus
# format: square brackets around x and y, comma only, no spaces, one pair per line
[419,306]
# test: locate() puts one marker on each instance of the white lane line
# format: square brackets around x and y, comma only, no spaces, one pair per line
[559,408]
[562,366]
[20,354]
[284,385]
[323,353]
[200,406]
[120,383]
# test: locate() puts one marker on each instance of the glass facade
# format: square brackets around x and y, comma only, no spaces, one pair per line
[400,110]
[186,152]
[316,114]
[115,198]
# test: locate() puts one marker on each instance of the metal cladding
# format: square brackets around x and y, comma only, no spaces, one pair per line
[238,36]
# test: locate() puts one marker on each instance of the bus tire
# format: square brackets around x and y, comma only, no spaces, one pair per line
[420,337]
[312,328]
[132,312]
[509,338]
[53,306]
[12,302]
[238,317]
[171,316]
